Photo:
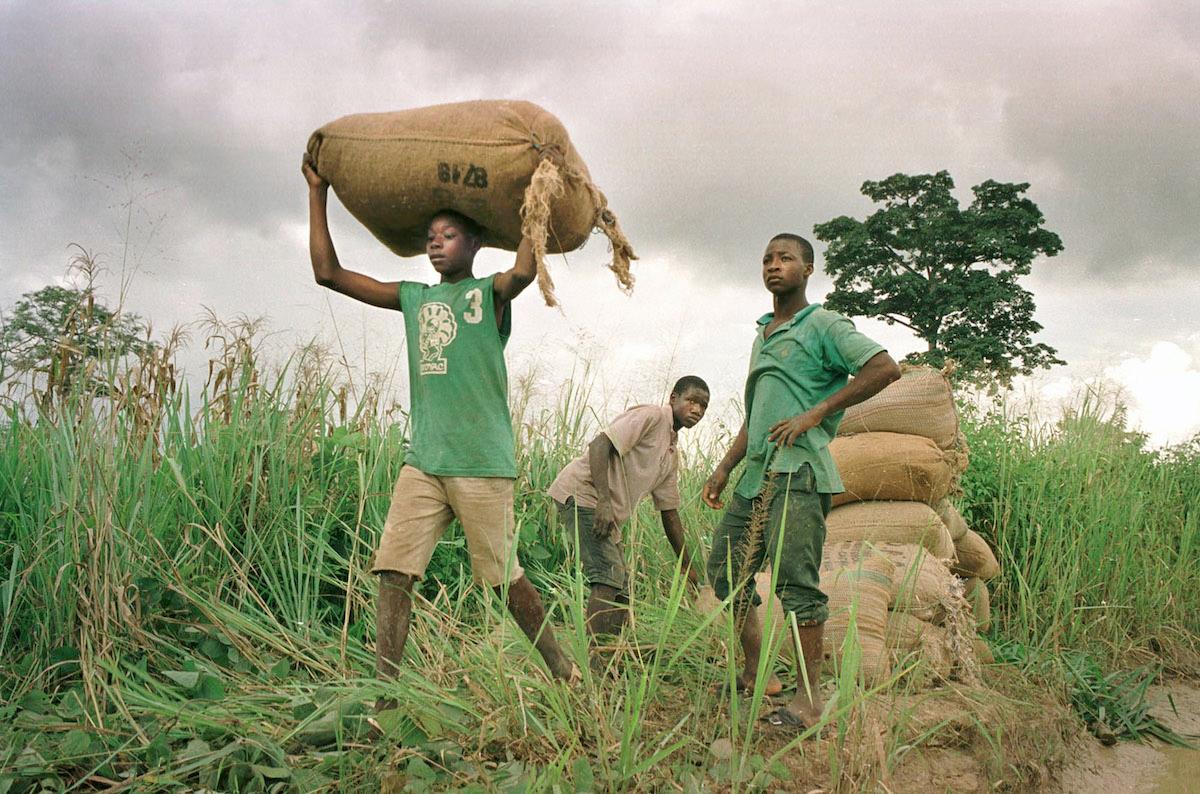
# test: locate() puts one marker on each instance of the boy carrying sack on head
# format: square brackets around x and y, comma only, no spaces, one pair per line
[597,492]
[461,461]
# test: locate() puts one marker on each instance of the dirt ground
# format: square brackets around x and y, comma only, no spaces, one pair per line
[942,740]
[1133,767]
[960,729]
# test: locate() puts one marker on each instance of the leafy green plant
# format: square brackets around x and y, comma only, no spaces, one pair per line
[1114,705]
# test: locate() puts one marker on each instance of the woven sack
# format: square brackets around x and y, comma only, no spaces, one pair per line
[858,586]
[911,640]
[921,584]
[891,466]
[975,557]
[924,588]
[950,516]
[890,522]
[508,165]
[977,595]
[920,403]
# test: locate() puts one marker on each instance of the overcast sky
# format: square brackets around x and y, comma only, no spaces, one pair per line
[167,136]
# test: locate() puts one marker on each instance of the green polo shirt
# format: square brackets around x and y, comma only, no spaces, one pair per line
[459,424]
[804,361]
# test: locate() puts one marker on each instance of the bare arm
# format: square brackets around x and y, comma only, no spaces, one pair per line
[716,483]
[673,528]
[327,271]
[877,373]
[600,451]
[512,282]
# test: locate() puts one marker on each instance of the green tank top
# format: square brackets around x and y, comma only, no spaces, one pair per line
[459,424]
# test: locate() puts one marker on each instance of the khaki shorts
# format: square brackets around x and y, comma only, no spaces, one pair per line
[423,505]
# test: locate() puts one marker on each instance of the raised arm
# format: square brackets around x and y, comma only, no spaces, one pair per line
[327,271]
[716,483]
[512,282]
[878,372]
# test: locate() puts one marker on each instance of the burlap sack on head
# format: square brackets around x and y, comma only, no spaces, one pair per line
[950,516]
[891,466]
[975,557]
[890,522]
[508,165]
[920,404]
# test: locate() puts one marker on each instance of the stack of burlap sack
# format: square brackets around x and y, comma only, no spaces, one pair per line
[899,560]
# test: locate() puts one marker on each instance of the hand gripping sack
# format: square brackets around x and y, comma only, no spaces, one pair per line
[508,165]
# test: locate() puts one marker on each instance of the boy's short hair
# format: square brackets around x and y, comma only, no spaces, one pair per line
[468,225]
[806,249]
[690,382]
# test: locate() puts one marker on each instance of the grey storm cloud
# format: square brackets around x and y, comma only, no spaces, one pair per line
[1103,108]
[710,127]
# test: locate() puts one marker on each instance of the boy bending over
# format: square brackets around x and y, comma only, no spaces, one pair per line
[597,492]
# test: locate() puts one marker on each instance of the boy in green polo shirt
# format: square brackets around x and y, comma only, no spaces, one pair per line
[796,391]
[461,461]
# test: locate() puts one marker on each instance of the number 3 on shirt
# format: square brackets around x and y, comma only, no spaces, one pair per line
[474,312]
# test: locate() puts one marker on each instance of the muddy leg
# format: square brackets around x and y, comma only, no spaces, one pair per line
[751,637]
[393,616]
[526,607]
[808,705]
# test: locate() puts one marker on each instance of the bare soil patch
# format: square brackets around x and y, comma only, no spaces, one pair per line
[1137,767]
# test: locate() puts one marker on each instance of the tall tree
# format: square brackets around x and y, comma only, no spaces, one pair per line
[64,334]
[948,274]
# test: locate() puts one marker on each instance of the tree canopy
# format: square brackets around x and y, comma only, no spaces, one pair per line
[947,273]
[62,333]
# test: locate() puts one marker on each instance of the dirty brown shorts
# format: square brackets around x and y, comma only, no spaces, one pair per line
[423,505]
[602,560]
[792,541]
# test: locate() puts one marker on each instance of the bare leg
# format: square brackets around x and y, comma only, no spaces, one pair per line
[808,705]
[607,610]
[393,616]
[526,607]
[751,637]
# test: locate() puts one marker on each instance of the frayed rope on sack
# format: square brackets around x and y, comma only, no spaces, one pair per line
[960,633]
[549,183]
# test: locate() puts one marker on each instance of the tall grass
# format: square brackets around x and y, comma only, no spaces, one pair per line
[185,603]
[1098,537]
